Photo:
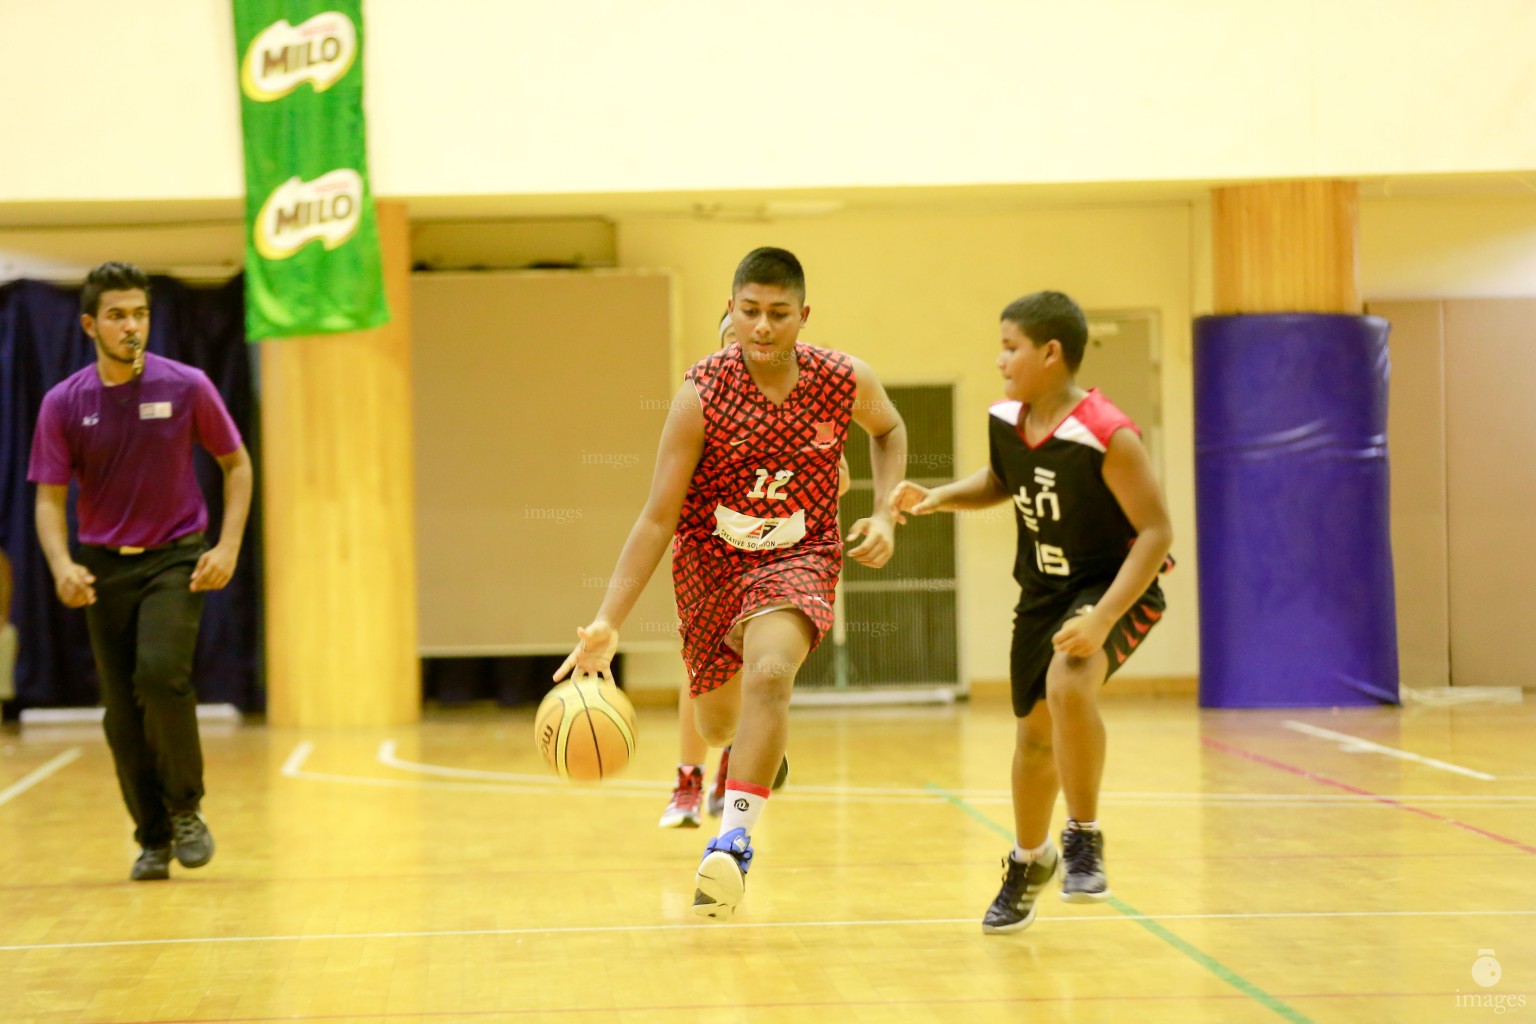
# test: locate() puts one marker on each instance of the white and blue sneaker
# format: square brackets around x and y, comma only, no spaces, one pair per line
[722,877]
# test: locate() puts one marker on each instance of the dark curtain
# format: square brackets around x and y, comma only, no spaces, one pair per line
[41,343]
[510,681]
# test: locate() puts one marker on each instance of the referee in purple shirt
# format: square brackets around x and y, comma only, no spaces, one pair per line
[124,428]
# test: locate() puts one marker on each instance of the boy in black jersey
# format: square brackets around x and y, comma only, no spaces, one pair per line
[1093,534]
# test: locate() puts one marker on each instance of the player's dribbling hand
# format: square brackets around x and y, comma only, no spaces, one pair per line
[1081,635]
[908,497]
[75,586]
[594,652]
[879,541]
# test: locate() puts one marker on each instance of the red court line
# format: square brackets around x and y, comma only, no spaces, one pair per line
[1200,997]
[1249,755]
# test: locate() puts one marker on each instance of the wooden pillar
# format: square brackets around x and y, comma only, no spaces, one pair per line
[337,482]
[1286,247]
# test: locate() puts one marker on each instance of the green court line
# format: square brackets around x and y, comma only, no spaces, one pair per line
[1199,956]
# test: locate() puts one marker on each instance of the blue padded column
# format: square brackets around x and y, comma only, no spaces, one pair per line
[1291,484]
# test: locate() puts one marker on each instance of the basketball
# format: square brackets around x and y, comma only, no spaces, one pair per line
[585,729]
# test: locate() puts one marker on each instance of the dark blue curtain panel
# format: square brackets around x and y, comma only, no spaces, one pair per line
[1291,488]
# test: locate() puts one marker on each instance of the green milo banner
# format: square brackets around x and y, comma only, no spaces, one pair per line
[312,261]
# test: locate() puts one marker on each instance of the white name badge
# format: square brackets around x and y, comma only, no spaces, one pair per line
[155,411]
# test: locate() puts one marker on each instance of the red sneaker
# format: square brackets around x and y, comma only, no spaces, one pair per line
[683,809]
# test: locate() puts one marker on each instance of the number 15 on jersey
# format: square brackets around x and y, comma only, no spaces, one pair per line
[1051,560]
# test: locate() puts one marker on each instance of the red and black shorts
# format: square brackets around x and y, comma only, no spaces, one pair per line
[715,595]
[1033,629]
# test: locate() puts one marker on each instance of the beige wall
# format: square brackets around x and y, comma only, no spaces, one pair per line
[494,98]
[1463,482]
[195,250]
[532,461]
[1428,248]
[1490,484]
[918,297]
[1416,436]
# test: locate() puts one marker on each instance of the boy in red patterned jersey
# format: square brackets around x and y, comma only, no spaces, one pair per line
[684,807]
[1092,535]
[745,487]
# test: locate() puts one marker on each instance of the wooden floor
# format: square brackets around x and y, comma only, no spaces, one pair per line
[1299,866]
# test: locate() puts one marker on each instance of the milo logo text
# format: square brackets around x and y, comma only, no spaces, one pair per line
[298,212]
[283,57]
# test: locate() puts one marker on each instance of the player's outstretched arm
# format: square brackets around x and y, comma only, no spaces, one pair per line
[982,489]
[874,411]
[682,445]
[1128,474]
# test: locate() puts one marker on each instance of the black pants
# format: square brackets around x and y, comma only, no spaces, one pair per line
[143,630]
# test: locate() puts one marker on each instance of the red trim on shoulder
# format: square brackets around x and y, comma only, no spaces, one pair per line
[1095,412]
[1100,416]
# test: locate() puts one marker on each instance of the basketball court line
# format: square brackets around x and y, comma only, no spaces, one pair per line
[1356,745]
[293,768]
[1385,800]
[37,775]
[531,783]
[1152,925]
[388,757]
[608,1010]
[1127,915]
[296,759]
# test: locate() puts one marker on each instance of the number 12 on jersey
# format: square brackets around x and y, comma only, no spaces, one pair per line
[780,481]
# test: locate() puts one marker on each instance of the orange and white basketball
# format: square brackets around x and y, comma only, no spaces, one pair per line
[585,729]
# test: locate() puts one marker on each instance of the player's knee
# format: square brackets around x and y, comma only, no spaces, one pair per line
[769,680]
[716,731]
[1034,750]
[1070,692]
[163,678]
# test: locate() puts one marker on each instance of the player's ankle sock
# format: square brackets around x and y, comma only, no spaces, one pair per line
[1083,826]
[1024,856]
[744,803]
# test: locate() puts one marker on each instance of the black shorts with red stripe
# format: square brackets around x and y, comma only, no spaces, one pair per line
[1033,628]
